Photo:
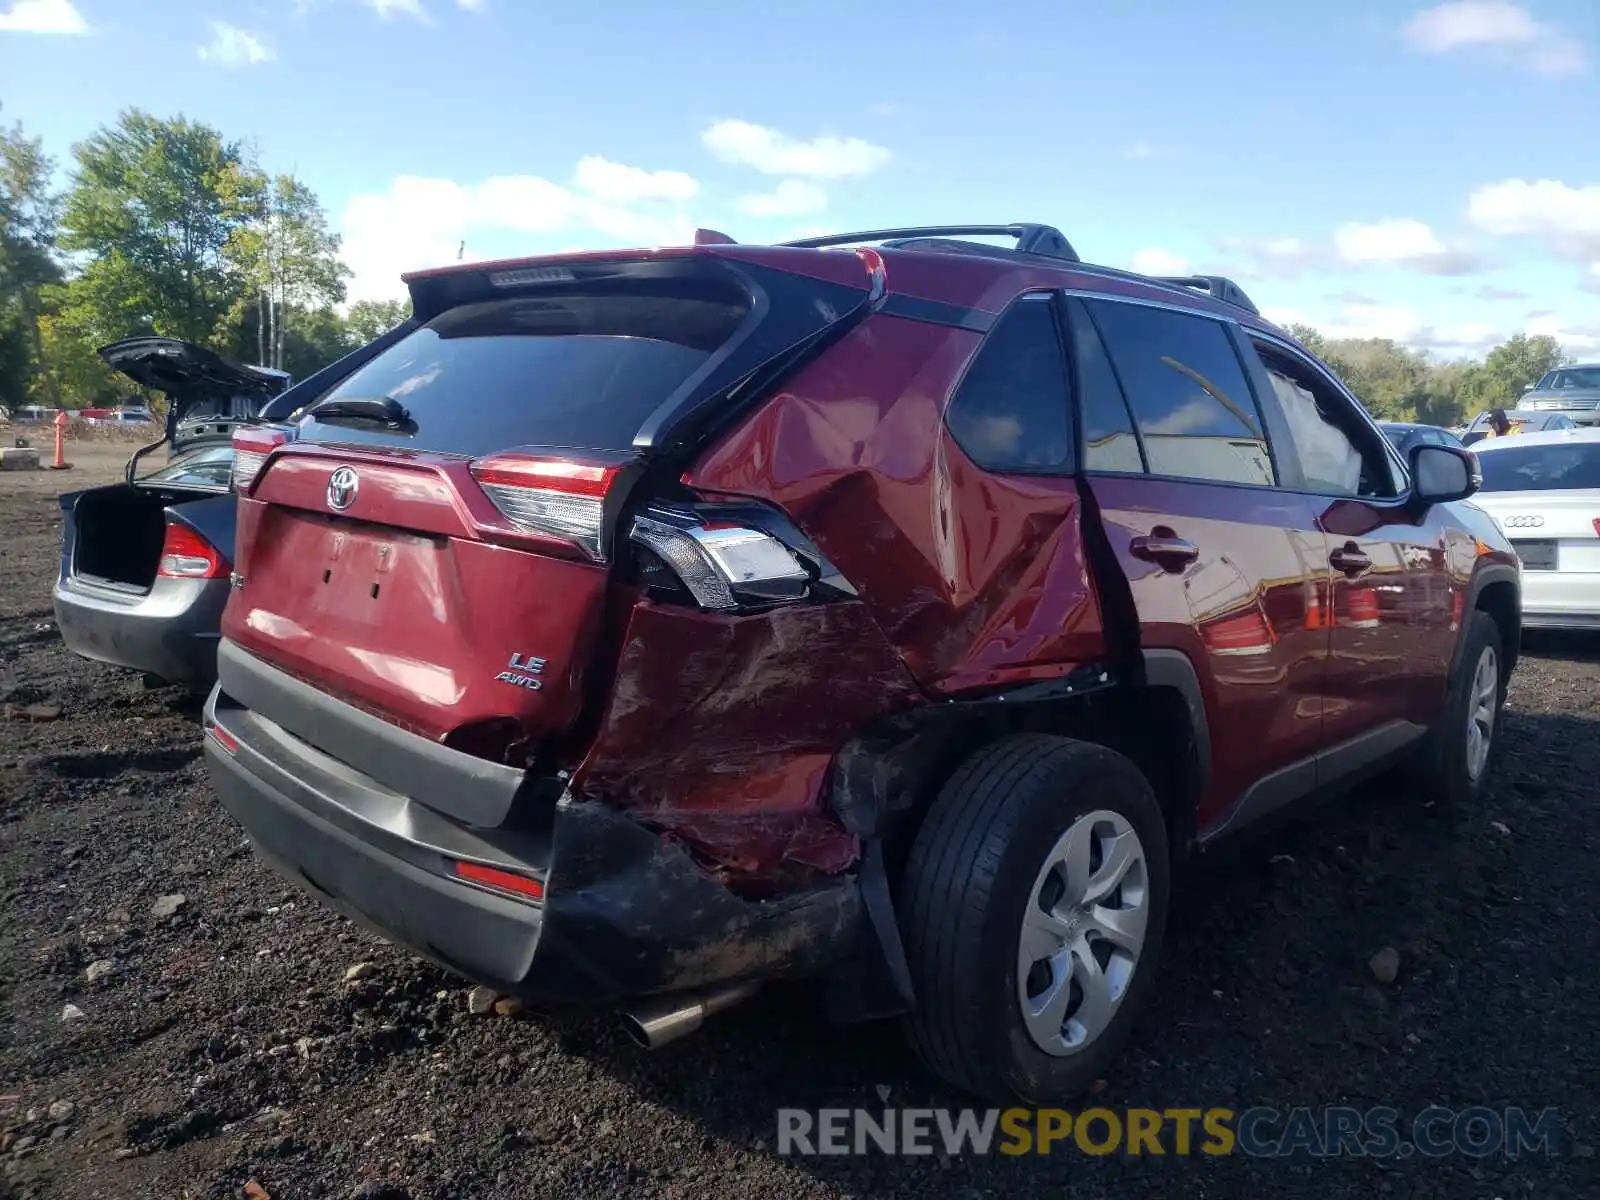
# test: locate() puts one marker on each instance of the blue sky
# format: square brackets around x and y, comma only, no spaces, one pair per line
[1427,172]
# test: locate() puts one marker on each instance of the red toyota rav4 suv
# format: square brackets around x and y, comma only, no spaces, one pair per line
[633,628]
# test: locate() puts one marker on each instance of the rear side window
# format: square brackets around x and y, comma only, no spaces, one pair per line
[1196,413]
[1562,467]
[1011,412]
[573,370]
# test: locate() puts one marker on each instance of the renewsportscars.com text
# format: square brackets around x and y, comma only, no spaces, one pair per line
[1329,1132]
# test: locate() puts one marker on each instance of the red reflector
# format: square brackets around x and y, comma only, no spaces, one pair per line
[506,881]
[553,474]
[187,555]
[224,739]
[1597,527]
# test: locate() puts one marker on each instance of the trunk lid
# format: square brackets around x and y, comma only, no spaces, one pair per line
[433,545]
[208,394]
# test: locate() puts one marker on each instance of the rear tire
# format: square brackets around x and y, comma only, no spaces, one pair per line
[1459,759]
[1034,904]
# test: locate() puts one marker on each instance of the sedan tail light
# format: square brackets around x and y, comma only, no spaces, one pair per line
[187,555]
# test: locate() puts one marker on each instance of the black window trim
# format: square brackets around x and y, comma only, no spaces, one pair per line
[1230,329]
[1066,469]
[1068,308]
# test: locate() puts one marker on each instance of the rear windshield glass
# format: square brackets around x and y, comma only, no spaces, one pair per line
[571,370]
[1541,468]
[210,466]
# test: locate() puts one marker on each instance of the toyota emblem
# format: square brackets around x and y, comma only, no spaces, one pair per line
[1533,522]
[342,486]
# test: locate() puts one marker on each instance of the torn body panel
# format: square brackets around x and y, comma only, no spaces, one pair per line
[719,731]
[976,580]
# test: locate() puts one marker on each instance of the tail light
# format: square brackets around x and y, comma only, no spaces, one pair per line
[251,445]
[187,555]
[548,495]
[1596,524]
[723,565]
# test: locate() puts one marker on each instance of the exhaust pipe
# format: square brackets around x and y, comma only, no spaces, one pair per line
[655,1022]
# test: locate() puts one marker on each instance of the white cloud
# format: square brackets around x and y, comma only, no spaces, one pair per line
[1573,341]
[1402,242]
[1567,218]
[474,6]
[1508,30]
[1273,258]
[420,222]
[1153,260]
[602,178]
[775,153]
[390,8]
[43,16]
[1142,151]
[791,198]
[231,46]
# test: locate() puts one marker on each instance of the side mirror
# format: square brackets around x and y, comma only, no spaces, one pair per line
[1440,474]
[1527,387]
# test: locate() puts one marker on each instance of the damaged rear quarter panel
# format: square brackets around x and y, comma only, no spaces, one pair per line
[976,579]
[720,729]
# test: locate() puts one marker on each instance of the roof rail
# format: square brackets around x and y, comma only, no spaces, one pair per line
[1043,240]
[1218,287]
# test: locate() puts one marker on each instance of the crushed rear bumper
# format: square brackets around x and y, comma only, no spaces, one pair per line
[624,913]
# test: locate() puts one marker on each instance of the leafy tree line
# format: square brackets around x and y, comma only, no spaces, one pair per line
[1399,384]
[165,227]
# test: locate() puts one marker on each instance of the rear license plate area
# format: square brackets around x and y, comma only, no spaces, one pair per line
[1536,556]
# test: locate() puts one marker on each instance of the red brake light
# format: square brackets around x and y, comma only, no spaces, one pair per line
[1597,527]
[251,445]
[550,495]
[187,555]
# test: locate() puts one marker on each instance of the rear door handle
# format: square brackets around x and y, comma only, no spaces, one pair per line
[1350,560]
[1164,548]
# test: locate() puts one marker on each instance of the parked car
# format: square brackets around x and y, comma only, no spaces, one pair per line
[634,628]
[1544,490]
[1522,421]
[145,563]
[1404,435]
[1574,391]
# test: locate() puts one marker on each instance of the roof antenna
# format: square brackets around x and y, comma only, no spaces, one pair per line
[461,250]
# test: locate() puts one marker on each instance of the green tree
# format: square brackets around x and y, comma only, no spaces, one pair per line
[28,215]
[1520,361]
[284,257]
[371,319]
[151,209]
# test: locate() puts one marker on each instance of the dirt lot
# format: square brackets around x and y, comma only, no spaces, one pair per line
[223,1045]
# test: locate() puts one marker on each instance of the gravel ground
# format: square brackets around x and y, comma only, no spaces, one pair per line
[220,1050]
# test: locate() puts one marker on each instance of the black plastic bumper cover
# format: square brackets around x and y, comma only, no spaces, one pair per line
[624,913]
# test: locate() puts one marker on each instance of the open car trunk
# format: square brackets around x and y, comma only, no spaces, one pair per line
[115,534]
[208,396]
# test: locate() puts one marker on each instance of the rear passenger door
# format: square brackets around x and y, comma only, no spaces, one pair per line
[1225,566]
[1392,629]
